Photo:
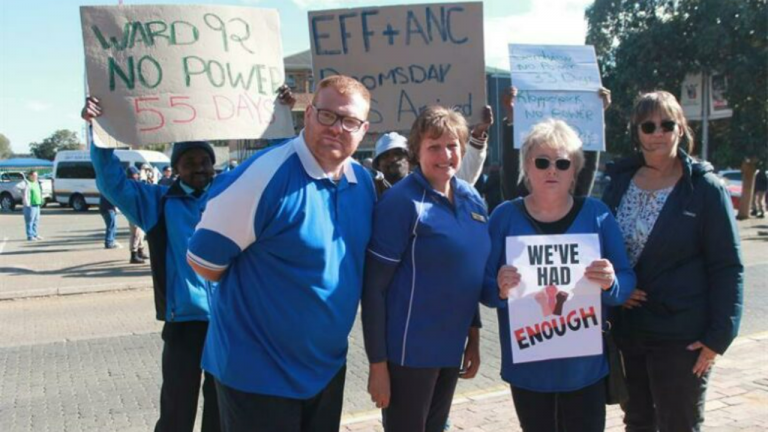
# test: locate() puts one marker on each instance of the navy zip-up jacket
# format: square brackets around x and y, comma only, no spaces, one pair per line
[690,266]
[169,216]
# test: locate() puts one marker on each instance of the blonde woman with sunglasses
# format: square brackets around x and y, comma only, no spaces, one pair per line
[566,394]
[680,235]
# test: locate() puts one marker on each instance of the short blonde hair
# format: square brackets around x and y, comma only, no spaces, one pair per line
[434,122]
[557,135]
[344,85]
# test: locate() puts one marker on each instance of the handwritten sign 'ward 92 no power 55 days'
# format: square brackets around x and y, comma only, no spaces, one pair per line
[180,73]
[409,57]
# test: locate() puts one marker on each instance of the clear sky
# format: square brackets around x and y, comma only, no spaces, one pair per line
[41,49]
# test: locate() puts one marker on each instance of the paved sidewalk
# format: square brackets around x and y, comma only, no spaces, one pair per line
[737,399]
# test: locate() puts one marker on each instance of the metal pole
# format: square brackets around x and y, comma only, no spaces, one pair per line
[705,117]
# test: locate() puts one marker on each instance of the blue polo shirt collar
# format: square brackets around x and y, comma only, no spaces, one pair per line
[313,168]
[457,191]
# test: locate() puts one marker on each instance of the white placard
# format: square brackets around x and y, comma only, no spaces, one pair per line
[554,67]
[409,57]
[187,72]
[583,111]
[555,311]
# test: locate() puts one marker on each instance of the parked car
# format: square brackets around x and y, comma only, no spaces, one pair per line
[732,180]
[11,192]
[74,179]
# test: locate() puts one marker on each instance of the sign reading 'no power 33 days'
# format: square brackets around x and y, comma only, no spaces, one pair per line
[560,82]
[409,57]
[181,73]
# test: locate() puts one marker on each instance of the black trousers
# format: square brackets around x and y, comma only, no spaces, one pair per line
[582,410]
[420,398]
[664,395]
[250,412]
[182,351]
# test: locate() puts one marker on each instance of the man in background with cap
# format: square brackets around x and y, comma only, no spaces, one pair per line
[169,215]
[136,241]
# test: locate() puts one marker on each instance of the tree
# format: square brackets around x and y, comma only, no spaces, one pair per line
[653,44]
[60,140]
[5,147]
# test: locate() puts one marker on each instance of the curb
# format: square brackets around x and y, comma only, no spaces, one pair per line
[71,290]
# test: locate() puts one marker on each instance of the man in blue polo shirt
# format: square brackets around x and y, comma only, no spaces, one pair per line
[285,234]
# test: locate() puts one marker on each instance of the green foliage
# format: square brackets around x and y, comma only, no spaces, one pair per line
[60,140]
[5,147]
[653,44]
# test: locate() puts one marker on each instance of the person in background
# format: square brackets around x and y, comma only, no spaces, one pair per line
[136,241]
[681,237]
[761,185]
[109,214]
[564,394]
[32,200]
[167,179]
[439,221]
[285,234]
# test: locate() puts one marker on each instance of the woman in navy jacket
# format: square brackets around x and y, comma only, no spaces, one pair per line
[681,238]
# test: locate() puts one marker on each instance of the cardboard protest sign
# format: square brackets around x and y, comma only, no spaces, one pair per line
[555,311]
[188,72]
[583,111]
[561,82]
[409,57]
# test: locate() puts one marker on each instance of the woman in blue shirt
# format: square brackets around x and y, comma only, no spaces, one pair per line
[564,394]
[423,280]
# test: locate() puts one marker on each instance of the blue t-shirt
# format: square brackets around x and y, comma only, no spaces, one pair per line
[566,374]
[440,250]
[293,242]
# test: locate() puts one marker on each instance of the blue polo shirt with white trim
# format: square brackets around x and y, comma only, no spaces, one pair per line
[293,244]
[440,250]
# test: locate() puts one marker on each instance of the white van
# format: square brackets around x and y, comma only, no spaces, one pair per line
[74,179]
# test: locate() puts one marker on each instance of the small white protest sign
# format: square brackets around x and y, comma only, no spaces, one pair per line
[555,310]
[554,67]
[583,111]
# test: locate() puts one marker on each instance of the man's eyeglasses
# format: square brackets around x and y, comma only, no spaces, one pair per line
[649,127]
[329,118]
[544,163]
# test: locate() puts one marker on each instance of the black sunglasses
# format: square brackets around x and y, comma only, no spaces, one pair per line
[560,164]
[649,127]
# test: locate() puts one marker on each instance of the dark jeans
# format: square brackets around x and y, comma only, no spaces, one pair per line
[110,220]
[420,398]
[182,351]
[250,412]
[582,410]
[664,395]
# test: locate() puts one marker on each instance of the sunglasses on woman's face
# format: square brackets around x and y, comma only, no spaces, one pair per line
[649,127]
[560,164]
